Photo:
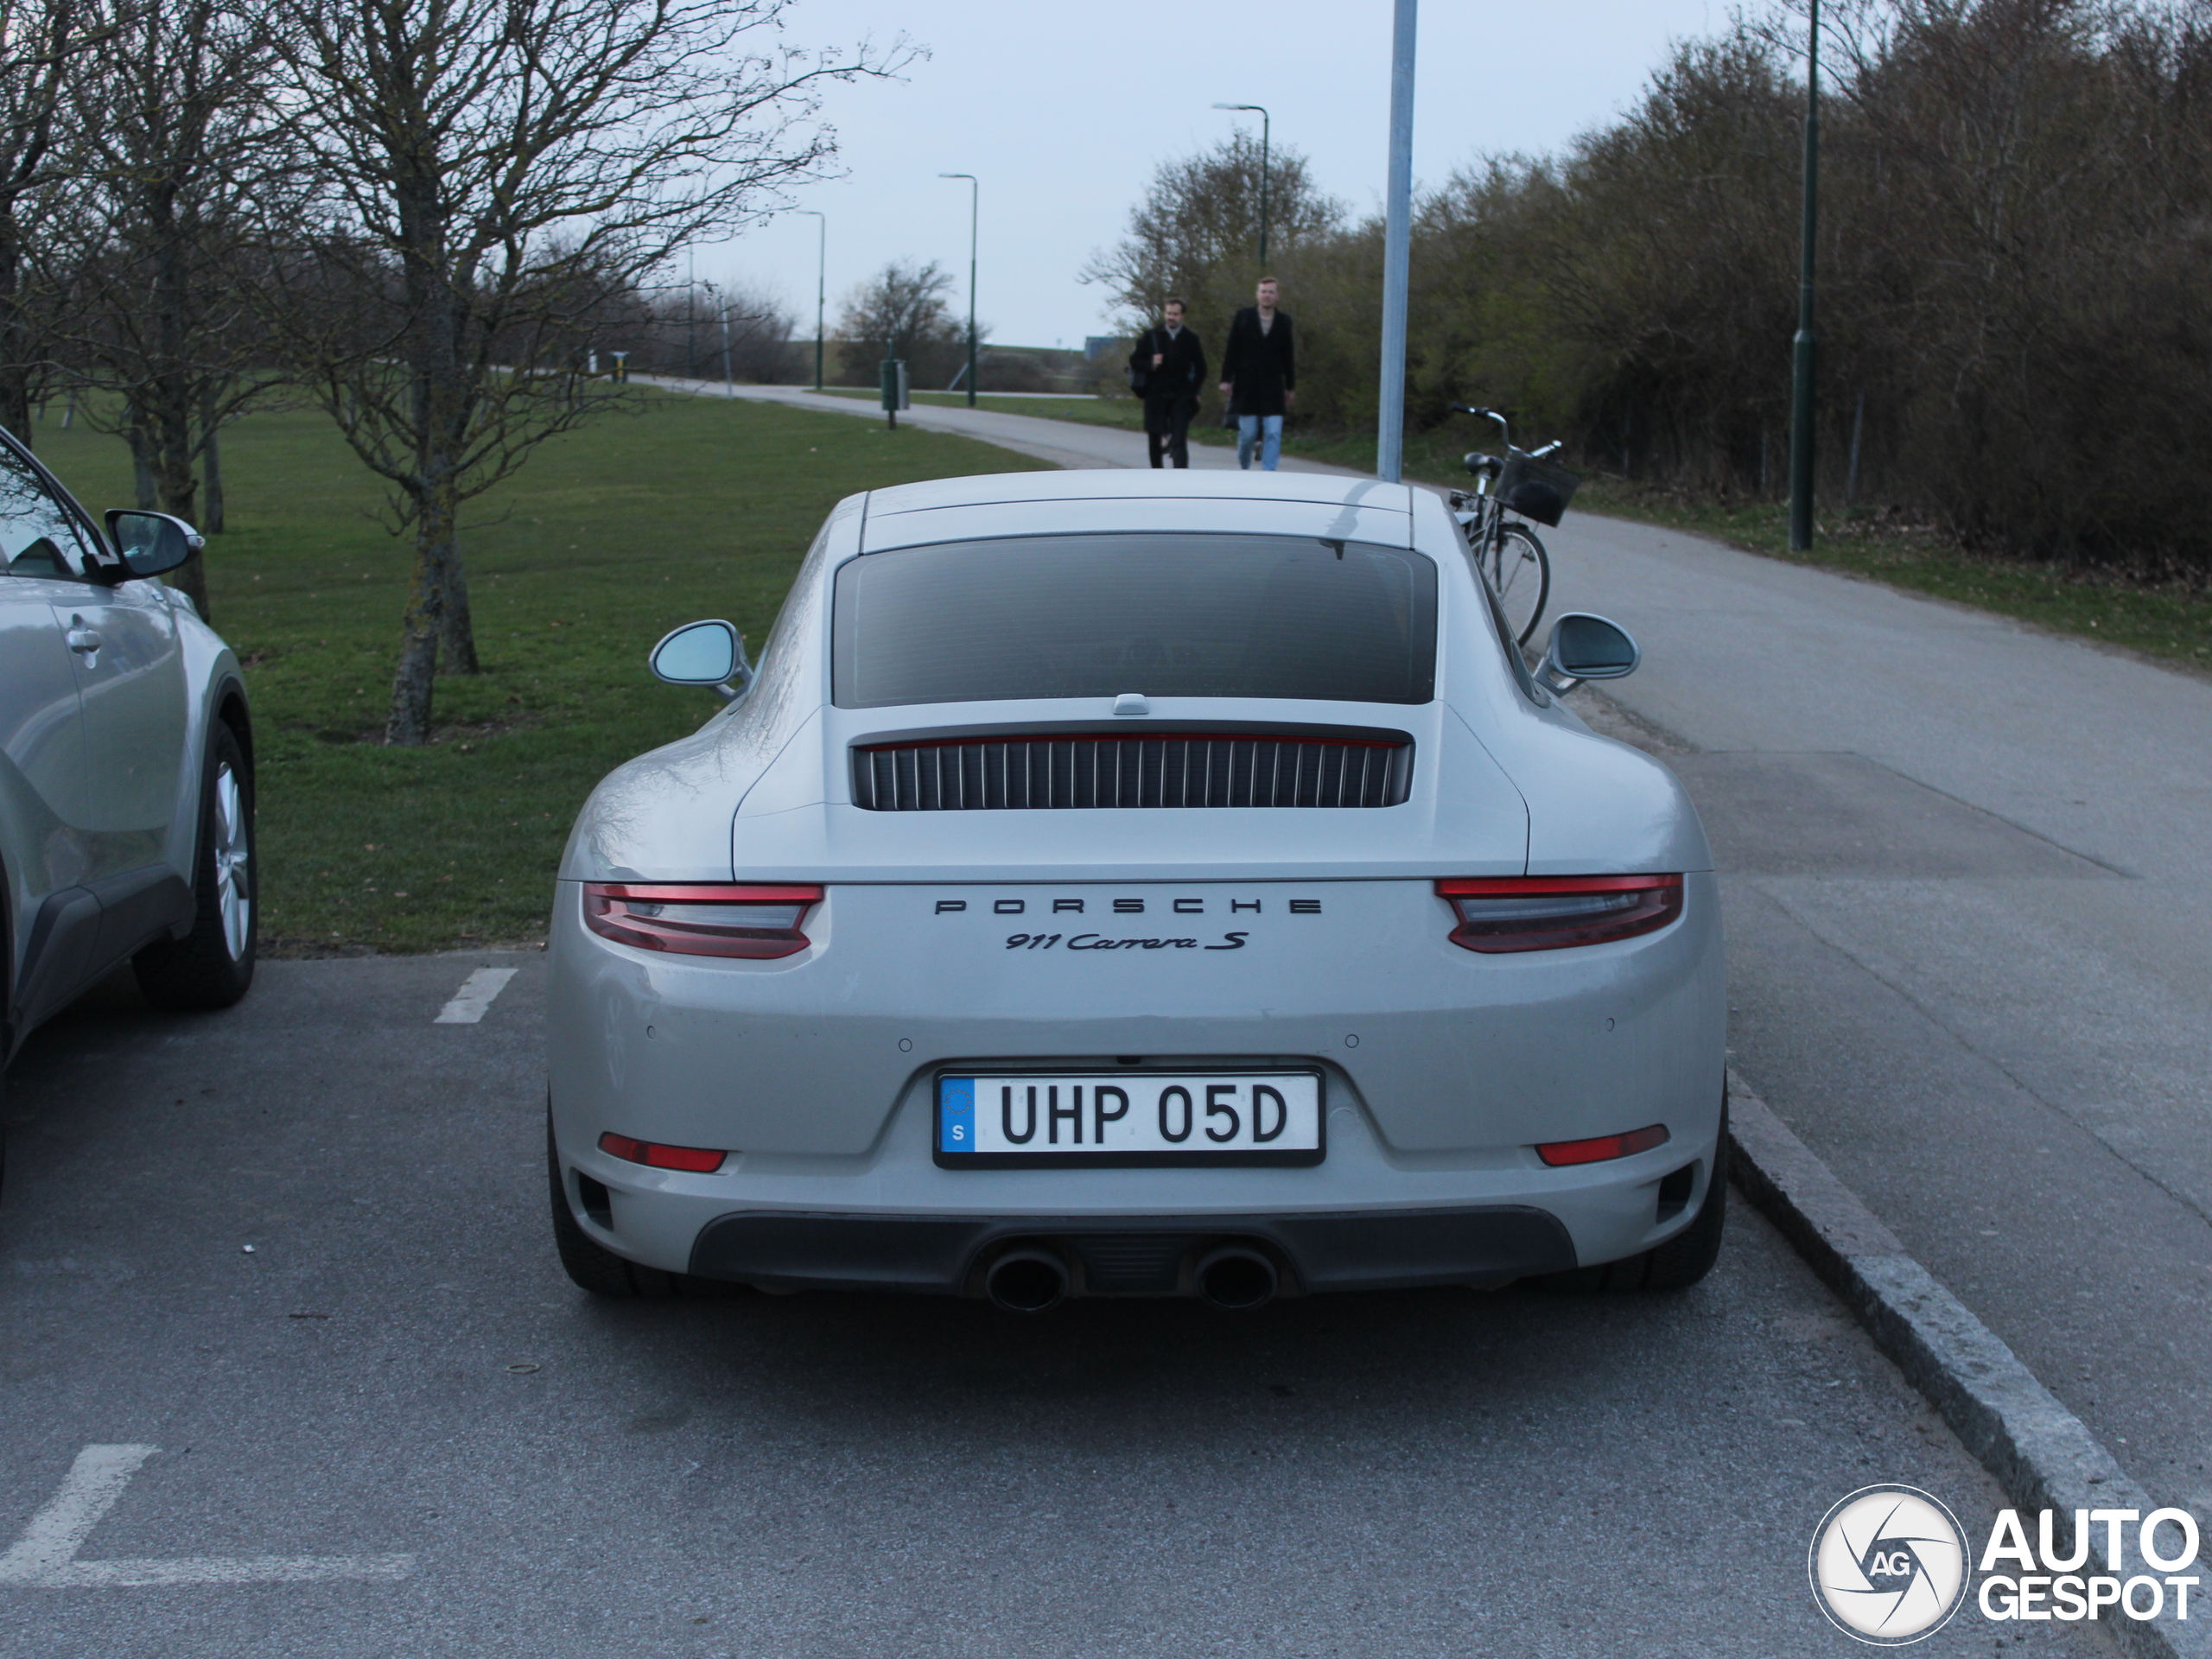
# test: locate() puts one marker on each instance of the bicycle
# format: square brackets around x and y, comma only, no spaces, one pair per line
[1506,552]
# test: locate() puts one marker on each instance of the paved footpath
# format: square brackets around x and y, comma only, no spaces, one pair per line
[394,1428]
[1970,892]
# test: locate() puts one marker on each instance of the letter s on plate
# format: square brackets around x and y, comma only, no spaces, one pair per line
[1236,943]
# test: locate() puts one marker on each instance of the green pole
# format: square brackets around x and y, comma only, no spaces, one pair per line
[974,204]
[821,289]
[1801,379]
[1263,192]
[1260,109]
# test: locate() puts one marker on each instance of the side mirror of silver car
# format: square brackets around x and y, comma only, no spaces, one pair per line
[702,653]
[151,543]
[1585,647]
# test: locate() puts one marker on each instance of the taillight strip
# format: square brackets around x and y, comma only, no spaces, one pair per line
[742,920]
[1502,915]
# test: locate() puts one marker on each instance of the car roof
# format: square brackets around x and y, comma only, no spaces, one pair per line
[1127,484]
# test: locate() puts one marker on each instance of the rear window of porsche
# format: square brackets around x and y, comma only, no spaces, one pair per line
[1164,616]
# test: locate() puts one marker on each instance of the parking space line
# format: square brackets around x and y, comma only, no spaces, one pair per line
[474,996]
[46,1555]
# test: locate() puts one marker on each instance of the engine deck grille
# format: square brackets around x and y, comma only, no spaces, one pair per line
[1110,770]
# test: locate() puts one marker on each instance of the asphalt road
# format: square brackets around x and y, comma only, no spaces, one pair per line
[1963,911]
[396,1390]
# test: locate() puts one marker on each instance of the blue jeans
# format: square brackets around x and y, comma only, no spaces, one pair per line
[1248,428]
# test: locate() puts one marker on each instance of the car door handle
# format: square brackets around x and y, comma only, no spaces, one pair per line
[83,640]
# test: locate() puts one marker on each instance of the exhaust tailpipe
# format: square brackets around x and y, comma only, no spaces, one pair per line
[1237,1277]
[1028,1282]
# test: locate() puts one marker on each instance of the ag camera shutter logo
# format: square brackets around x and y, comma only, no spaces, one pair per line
[1889,1564]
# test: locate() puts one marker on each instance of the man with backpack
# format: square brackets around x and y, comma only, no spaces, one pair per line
[1259,376]
[1166,370]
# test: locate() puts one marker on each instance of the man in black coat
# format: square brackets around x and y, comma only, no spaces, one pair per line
[1172,366]
[1259,376]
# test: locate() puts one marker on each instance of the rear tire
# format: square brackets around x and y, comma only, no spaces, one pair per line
[1682,1260]
[598,1269]
[212,967]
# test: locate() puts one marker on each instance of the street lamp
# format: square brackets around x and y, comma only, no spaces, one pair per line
[1264,119]
[1804,353]
[821,287]
[974,211]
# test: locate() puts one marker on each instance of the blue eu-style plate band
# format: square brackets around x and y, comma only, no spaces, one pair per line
[956,1114]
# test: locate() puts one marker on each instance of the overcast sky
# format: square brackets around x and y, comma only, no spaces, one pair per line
[1063,110]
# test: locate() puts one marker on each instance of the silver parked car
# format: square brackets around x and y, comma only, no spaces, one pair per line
[126,777]
[1138,884]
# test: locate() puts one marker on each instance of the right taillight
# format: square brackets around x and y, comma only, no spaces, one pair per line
[697,918]
[1499,914]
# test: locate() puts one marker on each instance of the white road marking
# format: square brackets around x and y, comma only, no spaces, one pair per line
[45,1557]
[474,996]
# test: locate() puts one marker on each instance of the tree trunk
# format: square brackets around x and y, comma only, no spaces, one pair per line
[179,485]
[408,725]
[456,633]
[211,464]
[15,335]
[442,416]
[142,463]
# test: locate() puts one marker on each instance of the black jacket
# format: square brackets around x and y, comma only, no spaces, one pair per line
[1177,381]
[1259,367]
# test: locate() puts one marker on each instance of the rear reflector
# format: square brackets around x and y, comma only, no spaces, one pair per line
[701,918]
[1558,1154]
[1499,914]
[697,1160]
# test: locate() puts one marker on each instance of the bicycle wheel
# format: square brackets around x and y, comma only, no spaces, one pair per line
[1520,571]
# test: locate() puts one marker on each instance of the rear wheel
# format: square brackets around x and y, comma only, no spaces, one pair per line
[212,966]
[598,1269]
[1521,570]
[1682,1260]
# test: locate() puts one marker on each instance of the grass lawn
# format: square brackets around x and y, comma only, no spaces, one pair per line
[606,539]
[2164,622]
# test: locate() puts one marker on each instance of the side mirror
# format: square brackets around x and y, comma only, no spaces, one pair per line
[151,543]
[1585,647]
[701,653]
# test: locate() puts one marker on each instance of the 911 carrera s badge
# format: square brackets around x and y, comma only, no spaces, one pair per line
[1099,942]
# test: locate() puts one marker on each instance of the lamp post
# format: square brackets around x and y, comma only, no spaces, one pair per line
[821,289]
[1264,121]
[1397,248]
[975,210]
[1805,351]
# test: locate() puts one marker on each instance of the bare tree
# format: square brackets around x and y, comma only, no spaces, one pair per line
[903,311]
[491,170]
[38,39]
[179,141]
[1196,233]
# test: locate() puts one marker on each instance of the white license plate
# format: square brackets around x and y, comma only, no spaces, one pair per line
[1127,1118]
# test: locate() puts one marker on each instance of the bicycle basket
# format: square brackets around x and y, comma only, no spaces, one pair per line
[1536,489]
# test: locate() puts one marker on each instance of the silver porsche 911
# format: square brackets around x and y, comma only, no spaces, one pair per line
[1138,884]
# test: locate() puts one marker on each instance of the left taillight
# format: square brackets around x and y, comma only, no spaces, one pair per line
[698,919]
[1498,914]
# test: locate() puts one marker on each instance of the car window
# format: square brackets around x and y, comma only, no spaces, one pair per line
[38,535]
[1190,615]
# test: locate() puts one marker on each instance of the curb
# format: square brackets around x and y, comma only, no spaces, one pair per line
[2043,1455]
